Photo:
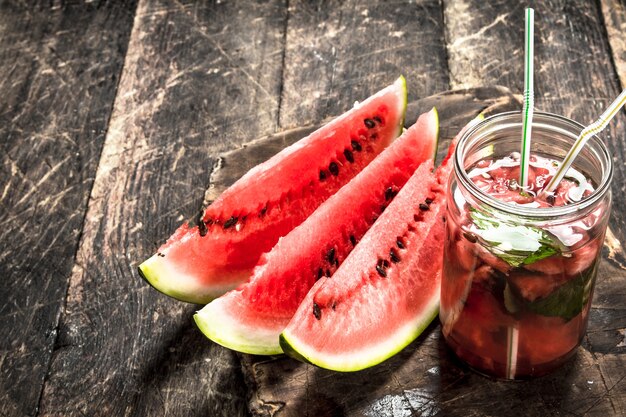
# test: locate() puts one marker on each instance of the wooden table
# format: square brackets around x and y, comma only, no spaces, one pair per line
[113,116]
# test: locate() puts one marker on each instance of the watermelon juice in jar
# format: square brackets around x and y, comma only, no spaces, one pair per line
[519,266]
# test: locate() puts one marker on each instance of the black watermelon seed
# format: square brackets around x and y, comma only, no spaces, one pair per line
[424,207]
[161,255]
[202,228]
[389,193]
[356,146]
[384,263]
[394,256]
[369,123]
[551,199]
[382,208]
[199,217]
[322,175]
[263,211]
[331,255]
[316,311]
[353,240]
[333,168]
[328,273]
[400,243]
[381,271]
[429,201]
[333,305]
[320,273]
[230,222]
[377,119]
[470,237]
[348,155]
[337,263]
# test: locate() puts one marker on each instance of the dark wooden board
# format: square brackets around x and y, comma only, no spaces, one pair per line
[203,79]
[55,106]
[197,80]
[340,51]
[614,14]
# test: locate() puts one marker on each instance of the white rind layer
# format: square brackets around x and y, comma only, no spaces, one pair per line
[218,324]
[167,279]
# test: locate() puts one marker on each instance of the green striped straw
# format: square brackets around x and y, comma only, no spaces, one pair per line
[593,129]
[529,97]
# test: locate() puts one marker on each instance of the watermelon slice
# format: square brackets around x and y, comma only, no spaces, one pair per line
[202,261]
[251,318]
[386,292]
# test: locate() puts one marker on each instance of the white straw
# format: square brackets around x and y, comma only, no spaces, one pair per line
[511,349]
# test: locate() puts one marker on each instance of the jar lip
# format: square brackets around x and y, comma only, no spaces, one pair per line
[524,211]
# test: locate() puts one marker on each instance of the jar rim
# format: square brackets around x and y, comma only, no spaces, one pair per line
[525,211]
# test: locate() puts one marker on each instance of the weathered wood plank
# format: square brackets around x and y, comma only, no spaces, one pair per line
[197,80]
[614,13]
[341,51]
[59,67]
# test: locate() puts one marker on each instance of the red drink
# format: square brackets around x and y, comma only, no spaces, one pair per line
[517,287]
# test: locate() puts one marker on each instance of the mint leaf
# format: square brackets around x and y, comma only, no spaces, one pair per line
[513,243]
[569,299]
[545,251]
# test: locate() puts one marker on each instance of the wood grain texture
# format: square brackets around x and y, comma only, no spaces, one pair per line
[415,382]
[338,52]
[197,80]
[614,13]
[54,110]
[83,335]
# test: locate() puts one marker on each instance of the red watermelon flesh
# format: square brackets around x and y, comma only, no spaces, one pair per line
[386,291]
[204,260]
[250,318]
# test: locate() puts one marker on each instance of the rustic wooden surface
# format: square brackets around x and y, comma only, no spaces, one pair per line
[59,68]
[114,118]
[614,13]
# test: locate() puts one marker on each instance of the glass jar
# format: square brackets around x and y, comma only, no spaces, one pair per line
[518,280]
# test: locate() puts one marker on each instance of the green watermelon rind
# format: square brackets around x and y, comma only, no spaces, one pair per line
[403,338]
[151,271]
[224,331]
